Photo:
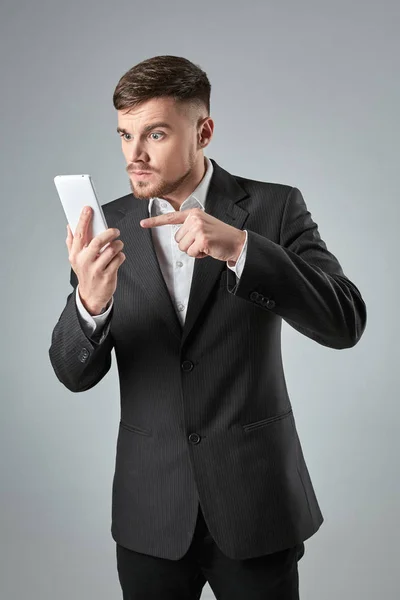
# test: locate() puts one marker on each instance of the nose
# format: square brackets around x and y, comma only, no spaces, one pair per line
[136,152]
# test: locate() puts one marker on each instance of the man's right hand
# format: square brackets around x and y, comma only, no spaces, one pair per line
[96,272]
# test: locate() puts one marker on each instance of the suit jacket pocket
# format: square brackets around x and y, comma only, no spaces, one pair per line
[262,422]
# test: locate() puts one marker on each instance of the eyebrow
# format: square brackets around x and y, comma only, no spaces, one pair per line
[147,127]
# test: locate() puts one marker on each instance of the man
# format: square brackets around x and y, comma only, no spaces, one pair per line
[210,480]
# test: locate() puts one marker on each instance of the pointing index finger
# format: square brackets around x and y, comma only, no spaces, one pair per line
[178,216]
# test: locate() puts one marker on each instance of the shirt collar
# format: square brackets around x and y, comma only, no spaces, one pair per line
[198,197]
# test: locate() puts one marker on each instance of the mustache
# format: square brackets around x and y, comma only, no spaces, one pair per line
[131,169]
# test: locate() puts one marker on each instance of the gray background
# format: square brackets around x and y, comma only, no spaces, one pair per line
[305,94]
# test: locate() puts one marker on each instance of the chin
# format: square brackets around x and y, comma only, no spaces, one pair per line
[143,194]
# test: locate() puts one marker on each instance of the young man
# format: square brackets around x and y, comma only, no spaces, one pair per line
[210,480]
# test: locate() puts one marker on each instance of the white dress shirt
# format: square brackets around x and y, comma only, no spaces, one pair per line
[176,266]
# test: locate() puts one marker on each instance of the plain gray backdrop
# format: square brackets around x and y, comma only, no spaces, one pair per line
[305,94]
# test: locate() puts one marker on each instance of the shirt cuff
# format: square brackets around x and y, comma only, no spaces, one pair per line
[239,265]
[93,321]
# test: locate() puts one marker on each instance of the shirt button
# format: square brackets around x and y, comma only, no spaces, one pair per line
[179,263]
[180,306]
[163,205]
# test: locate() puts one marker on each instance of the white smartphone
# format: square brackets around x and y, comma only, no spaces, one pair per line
[75,192]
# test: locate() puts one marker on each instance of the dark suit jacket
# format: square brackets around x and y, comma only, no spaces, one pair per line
[205,412]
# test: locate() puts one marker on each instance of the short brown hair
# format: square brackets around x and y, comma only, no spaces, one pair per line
[160,76]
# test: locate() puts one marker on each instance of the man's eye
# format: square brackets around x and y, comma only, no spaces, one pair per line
[153,133]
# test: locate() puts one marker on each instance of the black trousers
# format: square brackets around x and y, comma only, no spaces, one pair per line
[270,577]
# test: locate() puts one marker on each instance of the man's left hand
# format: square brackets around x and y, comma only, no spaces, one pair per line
[202,234]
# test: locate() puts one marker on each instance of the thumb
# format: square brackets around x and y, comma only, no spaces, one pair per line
[69,236]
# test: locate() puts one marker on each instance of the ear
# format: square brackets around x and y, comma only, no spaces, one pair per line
[206,132]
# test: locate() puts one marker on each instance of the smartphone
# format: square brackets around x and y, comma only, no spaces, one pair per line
[75,192]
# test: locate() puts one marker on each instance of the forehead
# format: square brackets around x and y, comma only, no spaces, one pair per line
[155,109]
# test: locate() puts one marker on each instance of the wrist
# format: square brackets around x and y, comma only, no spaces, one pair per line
[241,240]
[94,309]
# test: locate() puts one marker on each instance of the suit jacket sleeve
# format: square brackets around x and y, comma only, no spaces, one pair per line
[300,280]
[78,360]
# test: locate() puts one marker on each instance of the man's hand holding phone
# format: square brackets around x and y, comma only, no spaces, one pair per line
[96,270]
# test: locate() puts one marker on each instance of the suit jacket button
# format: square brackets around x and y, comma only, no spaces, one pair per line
[254,296]
[187,365]
[270,304]
[84,353]
[194,438]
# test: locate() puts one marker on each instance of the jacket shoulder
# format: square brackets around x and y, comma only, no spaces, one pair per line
[269,188]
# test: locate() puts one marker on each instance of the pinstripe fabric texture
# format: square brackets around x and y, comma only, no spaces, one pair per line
[205,412]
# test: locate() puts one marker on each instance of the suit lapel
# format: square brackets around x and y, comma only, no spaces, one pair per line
[141,259]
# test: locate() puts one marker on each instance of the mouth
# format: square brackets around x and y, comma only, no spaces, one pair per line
[141,173]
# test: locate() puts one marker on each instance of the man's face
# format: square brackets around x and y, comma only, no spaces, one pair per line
[170,152]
